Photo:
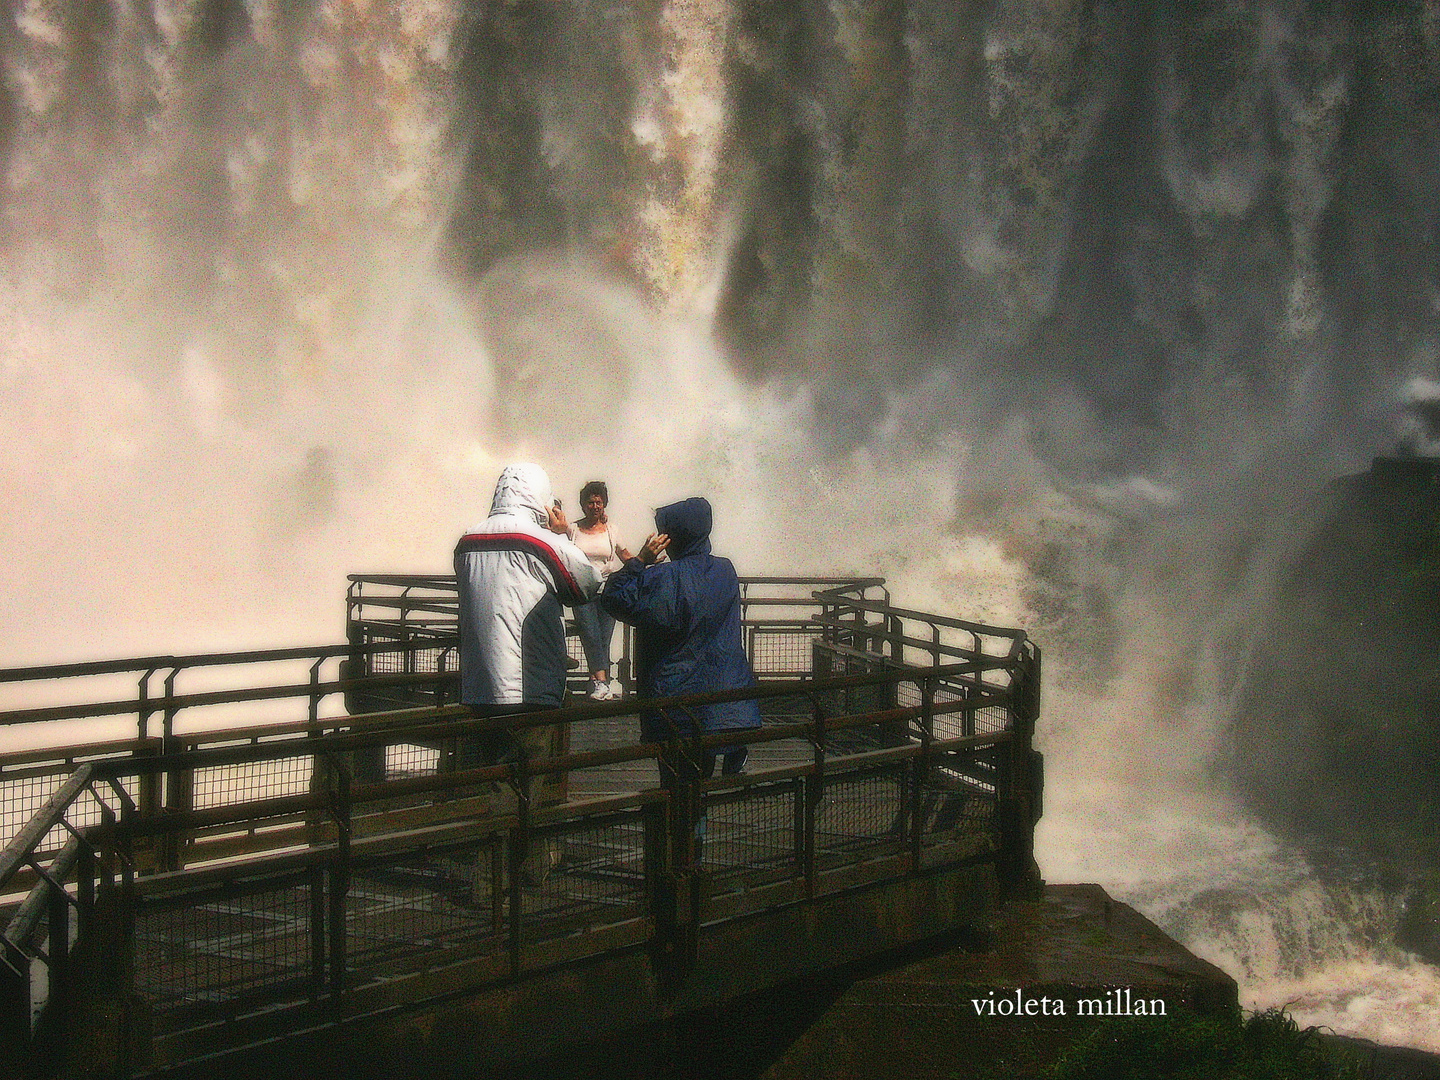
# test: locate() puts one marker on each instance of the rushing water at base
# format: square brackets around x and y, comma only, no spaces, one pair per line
[1039,310]
[1135,813]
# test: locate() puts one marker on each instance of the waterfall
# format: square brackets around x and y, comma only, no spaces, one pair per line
[1054,314]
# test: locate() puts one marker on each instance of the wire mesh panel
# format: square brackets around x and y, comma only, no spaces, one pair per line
[422,651]
[992,719]
[957,796]
[752,830]
[584,873]
[602,732]
[418,650]
[858,812]
[425,910]
[384,663]
[908,695]
[575,649]
[778,652]
[976,771]
[789,709]
[224,785]
[225,947]
[428,659]
[985,720]
[22,796]
[407,759]
[850,700]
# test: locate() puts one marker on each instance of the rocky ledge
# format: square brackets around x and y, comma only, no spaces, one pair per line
[1008,1005]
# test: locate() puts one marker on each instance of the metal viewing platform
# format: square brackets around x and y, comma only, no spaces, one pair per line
[213,858]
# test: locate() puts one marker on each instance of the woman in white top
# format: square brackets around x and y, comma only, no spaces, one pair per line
[593,536]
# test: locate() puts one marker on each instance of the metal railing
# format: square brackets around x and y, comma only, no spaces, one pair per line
[251,876]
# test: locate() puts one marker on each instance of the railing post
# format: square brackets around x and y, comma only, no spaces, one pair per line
[623,665]
[315,690]
[1016,802]
[142,719]
[353,668]
[178,782]
[339,878]
[820,659]
[317,930]
[447,748]
[814,792]
[62,994]
[519,851]
[149,784]
[84,890]
[15,1034]
[442,659]
[922,764]
[799,818]
[496,849]
[661,890]
[655,865]
[1008,819]
[151,850]
[689,808]
[104,1024]
[675,849]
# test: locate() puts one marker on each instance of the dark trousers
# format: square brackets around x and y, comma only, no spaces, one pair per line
[731,760]
[504,746]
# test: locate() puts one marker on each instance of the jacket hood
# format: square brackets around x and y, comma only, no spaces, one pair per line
[688,526]
[523,490]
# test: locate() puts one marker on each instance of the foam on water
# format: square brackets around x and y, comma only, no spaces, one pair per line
[1139,813]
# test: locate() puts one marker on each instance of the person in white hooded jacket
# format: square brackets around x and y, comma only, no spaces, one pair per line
[514,572]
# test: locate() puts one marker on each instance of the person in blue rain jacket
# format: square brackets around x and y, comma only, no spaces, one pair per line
[686,614]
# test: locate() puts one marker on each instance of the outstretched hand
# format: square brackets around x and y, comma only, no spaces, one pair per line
[657,543]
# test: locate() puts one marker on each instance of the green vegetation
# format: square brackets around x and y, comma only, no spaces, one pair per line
[1262,1046]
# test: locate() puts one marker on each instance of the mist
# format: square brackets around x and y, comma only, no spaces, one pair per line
[1053,314]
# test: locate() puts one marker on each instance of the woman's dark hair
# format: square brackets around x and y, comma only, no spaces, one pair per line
[595,487]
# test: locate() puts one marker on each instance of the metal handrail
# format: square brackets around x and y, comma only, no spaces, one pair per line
[193,660]
[428,723]
[219,697]
[418,724]
[259,810]
[22,846]
[937,620]
[291,831]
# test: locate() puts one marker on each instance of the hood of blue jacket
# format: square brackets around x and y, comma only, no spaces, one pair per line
[687,524]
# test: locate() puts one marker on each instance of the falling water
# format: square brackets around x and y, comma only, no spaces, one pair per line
[1053,314]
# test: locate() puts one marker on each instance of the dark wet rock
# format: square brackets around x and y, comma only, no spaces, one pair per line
[1419,929]
[1336,731]
[1074,943]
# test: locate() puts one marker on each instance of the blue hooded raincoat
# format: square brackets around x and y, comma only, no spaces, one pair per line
[686,614]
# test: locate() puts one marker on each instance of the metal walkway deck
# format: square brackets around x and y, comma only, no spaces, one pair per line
[204,889]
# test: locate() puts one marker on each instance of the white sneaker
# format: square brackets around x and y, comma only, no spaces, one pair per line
[599,692]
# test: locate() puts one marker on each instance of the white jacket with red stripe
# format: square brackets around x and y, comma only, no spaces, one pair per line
[513,575]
